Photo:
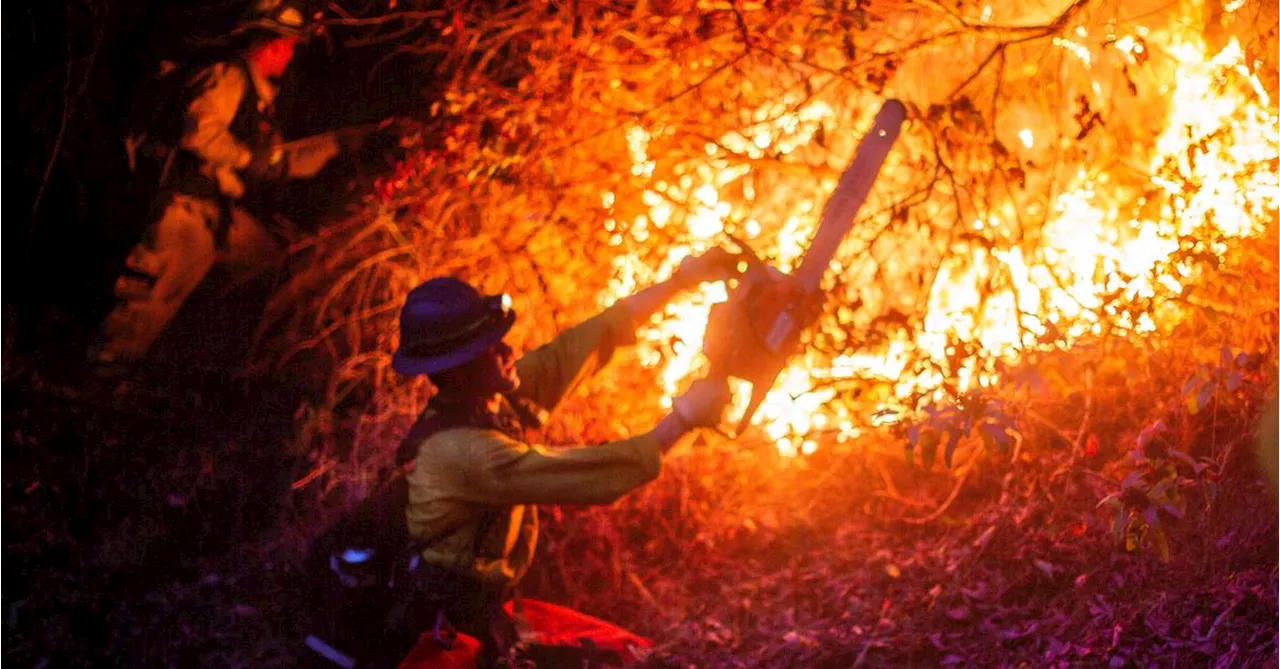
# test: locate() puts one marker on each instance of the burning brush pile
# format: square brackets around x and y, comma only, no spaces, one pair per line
[1069,255]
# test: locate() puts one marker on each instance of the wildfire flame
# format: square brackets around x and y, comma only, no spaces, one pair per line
[1215,162]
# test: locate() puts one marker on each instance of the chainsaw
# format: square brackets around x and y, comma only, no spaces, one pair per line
[752,334]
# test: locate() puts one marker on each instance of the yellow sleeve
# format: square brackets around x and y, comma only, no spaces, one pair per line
[309,155]
[550,372]
[207,130]
[510,472]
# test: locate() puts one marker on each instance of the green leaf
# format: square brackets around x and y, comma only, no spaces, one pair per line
[1206,394]
[952,441]
[987,438]
[929,449]
[1131,480]
[1183,457]
[995,435]
[1150,432]
[1233,381]
[1190,386]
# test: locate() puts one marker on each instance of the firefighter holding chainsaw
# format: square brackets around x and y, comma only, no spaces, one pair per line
[228,151]
[476,480]
[471,480]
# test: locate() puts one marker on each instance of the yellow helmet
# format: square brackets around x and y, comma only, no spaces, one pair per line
[292,18]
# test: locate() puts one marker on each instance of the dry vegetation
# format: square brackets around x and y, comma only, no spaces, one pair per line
[1103,505]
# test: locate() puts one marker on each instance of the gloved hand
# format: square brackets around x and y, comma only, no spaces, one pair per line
[714,265]
[267,163]
[703,403]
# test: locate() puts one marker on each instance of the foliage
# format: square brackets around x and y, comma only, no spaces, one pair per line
[1227,376]
[989,417]
[1151,497]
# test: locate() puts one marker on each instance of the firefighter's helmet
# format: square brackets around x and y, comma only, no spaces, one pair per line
[291,18]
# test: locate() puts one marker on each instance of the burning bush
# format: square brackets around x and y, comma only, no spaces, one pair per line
[1066,178]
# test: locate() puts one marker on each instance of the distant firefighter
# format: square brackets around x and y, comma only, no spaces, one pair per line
[209,163]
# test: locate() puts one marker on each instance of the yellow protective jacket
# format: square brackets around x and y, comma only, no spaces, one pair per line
[461,473]
[217,92]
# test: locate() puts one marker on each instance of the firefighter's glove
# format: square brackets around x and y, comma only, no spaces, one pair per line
[703,404]
[267,164]
[715,265]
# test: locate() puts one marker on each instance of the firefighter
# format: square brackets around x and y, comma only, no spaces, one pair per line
[475,479]
[228,153]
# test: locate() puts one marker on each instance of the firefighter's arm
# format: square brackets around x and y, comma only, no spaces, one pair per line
[550,372]
[207,129]
[305,157]
[714,265]
[510,472]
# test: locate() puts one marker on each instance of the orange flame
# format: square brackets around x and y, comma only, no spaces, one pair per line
[1216,160]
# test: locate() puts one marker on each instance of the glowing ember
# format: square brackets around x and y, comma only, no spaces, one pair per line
[1211,171]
